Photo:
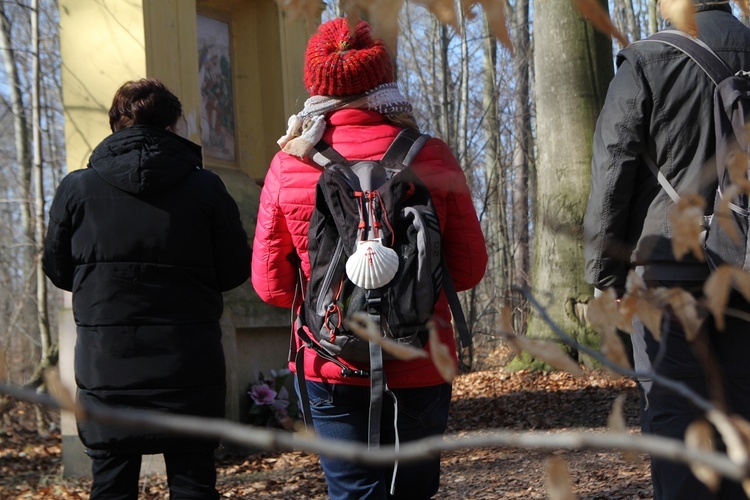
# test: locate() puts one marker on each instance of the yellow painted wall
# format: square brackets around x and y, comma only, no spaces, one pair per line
[108,42]
[102,45]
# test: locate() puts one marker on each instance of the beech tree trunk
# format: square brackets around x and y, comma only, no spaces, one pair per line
[573,68]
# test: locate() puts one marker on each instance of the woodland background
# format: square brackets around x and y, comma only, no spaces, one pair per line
[514,87]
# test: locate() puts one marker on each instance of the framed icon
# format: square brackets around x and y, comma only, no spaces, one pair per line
[218,124]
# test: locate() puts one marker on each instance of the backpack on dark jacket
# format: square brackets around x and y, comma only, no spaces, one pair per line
[726,238]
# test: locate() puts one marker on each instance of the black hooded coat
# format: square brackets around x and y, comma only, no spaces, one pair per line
[147,241]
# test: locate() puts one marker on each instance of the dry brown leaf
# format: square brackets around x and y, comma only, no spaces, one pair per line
[699,436]
[444,10]
[686,219]
[363,327]
[550,352]
[685,308]
[602,312]
[634,283]
[741,282]
[401,351]
[614,349]
[598,17]
[383,17]
[717,292]
[737,168]
[616,420]
[743,427]
[496,20]
[558,483]
[441,356]
[506,319]
[651,316]
[57,390]
[681,13]
[743,5]
[723,213]
[730,436]
[627,309]
[640,301]
[717,289]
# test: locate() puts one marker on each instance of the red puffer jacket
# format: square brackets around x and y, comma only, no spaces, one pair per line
[287,202]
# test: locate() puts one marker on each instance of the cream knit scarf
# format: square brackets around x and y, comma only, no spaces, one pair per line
[307,127]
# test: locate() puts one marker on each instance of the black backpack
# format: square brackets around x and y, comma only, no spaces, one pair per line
[374,248]
[731,114]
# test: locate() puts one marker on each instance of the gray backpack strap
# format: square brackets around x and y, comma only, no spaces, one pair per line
[404,148]
[661,178]
[706,59]
[695,49]
[402,151]
[324,155]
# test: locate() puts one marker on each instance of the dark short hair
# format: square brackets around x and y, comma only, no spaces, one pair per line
[144,102]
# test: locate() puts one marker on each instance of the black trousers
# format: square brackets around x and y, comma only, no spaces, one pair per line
[668,414]
[189,476]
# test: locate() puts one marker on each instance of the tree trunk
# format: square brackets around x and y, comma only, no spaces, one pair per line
[48,357]
[463,103]
[522,156]
[21,131]
[23,320]
[653,17]
[573,68]
[633,28]
[445,73]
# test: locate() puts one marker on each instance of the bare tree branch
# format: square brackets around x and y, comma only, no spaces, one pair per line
[668,383]
[269,439]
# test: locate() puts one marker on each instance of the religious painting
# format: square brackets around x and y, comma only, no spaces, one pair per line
[217,94]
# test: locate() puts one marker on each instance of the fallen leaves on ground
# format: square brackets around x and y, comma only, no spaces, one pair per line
[30,465]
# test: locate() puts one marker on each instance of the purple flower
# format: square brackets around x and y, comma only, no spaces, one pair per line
[282,400]
[262,394]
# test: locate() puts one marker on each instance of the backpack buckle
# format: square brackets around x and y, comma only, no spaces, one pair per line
[331,310]
[348,372]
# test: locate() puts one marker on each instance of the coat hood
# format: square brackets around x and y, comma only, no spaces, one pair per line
[143,159]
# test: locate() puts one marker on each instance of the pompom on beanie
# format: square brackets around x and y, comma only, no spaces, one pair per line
[340,62]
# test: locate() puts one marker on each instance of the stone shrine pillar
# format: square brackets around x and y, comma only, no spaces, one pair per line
[236,66]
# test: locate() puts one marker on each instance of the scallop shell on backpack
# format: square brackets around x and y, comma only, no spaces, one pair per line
[372,265]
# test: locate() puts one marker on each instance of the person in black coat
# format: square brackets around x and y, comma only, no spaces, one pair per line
[147,241]
[659,106]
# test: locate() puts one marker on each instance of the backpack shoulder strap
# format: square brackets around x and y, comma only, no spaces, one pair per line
[324,155]
[404,148]
[697,50]
[400,153]
[706,59]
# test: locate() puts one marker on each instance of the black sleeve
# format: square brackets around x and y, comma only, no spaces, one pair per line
[57,259]
[230,243]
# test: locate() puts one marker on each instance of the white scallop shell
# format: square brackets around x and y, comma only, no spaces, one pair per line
[372,265]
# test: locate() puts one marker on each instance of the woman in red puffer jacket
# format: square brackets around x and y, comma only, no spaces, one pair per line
[361,126]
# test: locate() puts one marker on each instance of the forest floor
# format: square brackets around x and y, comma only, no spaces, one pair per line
[30,466]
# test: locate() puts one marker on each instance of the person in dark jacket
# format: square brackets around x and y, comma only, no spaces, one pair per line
[147,241]
[659,105]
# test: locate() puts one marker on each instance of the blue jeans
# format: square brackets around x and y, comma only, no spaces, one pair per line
[341,412]
[668,414]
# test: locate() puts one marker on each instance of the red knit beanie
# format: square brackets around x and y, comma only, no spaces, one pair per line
[339,62]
